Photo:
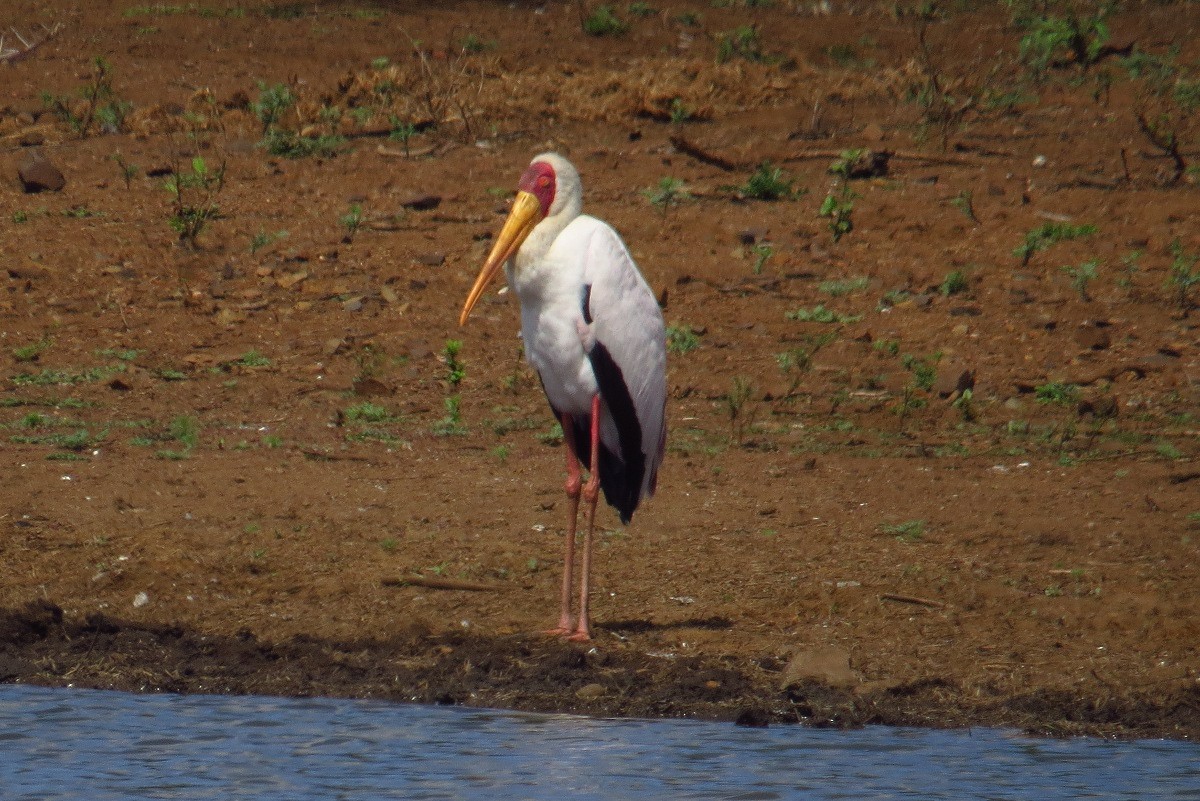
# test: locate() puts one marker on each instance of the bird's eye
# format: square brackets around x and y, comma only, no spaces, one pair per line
[543,182]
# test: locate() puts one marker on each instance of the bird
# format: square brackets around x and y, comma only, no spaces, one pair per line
[593,331]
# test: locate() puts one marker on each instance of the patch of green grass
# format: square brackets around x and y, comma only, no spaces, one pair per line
[908,531]
[250,359]
[603,22]
[31,352]
[552,437]
[263,239]
[367,412]
[768,182]
[954,282]
[741,42]
[185,430]
[820,314]
[843,286]
[1167,450]
[52,377]
[1184,274]
[291,145]
[1048,234]
[1057,392]
[681,339]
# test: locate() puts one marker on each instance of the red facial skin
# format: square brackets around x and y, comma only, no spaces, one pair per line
[539,180]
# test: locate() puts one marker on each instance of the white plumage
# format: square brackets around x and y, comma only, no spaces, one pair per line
[594,333]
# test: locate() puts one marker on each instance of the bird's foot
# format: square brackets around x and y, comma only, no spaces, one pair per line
[565,627]
[580,635]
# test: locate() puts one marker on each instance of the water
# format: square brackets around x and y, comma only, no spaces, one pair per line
[85,744]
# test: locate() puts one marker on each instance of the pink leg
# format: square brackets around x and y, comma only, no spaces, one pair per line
[573,489]
[591,493]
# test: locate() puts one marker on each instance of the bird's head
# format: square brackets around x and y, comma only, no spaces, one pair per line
[549,189]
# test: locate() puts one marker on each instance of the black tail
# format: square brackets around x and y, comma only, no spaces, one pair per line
[622,485]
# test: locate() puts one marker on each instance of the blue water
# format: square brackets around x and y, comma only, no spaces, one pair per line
[86,744]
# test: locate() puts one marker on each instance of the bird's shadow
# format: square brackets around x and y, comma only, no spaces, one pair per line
[641,626]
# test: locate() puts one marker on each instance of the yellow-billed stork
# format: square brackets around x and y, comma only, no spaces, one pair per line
[594,333]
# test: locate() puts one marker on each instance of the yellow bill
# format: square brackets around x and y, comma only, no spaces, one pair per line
[525,215]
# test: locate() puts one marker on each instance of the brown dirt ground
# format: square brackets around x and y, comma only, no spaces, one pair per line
[1052,581]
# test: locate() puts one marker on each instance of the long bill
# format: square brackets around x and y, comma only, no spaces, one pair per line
[525,215]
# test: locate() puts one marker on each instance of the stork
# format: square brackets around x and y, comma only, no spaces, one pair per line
[594,333]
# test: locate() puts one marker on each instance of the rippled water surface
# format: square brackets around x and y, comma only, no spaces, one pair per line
[84,744]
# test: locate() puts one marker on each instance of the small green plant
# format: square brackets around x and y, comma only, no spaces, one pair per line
[401,132]
[367,412]
[183,429]
[767,183]
[251,359]
[1130,261]
[1048,234]
[965,403]
[1057,393]
[451,424]
[799,360]
[681,339]
[272,441]
[128,171]
[640,9]
[1080,276]
[263,239]
[954,282]
[965,202]
[742,42]
[194,198]
[500,452]
[680,113]
[924,370]
[352,220]
[1049,36]
[272,103]
[602,22]
[736,401]
[908,531]
[20,216]
[456,371]
[669,192]
[1184,274]
[838,205]
[762,252]
[101,107]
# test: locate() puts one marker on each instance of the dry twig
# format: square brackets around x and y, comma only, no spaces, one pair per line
[12,55]
[442,584]
[912,599]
